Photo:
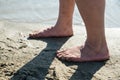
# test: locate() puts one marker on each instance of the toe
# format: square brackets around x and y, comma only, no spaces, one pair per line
[60,54]
[31,35]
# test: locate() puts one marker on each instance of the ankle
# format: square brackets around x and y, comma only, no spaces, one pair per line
[62,27]
[64,22]
[97,47]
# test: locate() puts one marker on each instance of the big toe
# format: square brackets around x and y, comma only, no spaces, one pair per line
[63,54]
[60,54]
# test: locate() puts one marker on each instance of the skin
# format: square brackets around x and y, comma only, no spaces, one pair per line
[92,12]
[64,22]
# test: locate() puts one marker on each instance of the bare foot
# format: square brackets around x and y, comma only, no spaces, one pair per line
[84,53]
[52,32]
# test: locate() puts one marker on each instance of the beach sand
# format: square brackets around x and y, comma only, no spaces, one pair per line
[25,59]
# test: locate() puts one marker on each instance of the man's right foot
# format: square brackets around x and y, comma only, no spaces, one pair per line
[51,32]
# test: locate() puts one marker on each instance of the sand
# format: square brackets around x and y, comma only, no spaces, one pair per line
[25,59]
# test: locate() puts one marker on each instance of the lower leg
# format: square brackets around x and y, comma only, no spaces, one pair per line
[66,9]
[95,47]
[63,26]
[92,13]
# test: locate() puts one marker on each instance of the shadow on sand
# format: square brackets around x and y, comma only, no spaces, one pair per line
[85,70]
[37,68]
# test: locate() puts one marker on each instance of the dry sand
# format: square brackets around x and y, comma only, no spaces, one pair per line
[24,59]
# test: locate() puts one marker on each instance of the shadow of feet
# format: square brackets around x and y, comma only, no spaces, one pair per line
[38,67]
[85,70]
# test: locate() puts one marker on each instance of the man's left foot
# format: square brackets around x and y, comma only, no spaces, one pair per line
[84,53]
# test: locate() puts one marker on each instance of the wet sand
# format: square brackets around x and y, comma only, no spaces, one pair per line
[26,59]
